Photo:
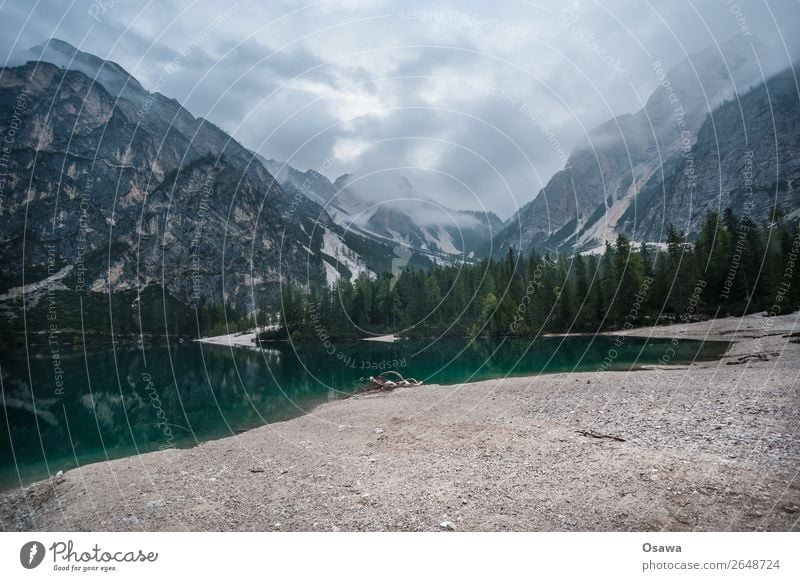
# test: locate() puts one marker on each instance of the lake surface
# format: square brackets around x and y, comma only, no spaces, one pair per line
[66,406]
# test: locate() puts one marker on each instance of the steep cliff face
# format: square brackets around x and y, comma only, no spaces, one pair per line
[106,187]
[746,157]
[583,204]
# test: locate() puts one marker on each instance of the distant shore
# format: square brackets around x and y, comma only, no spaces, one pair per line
[248,339]
[233,340]
[709,446]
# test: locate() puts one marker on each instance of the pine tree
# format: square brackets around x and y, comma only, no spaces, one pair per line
[487,312]
[582,306]
[631,288]
[676,249]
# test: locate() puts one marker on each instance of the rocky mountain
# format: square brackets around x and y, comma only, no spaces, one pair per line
[107,187]
[746,157]
[623,177]
[394,212]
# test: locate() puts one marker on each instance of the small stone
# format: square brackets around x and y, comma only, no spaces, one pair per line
[59,474]
[447,526]
[378,430]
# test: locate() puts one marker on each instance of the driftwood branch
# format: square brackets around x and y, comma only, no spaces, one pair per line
[593,434]
[760,356]
[383,382]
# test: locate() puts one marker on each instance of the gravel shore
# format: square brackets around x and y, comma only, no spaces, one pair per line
[711,446]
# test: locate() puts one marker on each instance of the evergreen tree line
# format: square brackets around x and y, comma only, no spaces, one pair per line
[732,267]
[152,313]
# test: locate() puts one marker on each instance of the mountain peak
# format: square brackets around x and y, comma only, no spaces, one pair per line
[342,180]
[115,79]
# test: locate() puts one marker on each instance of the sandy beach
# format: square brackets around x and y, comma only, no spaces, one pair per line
[710,446]
[247,339]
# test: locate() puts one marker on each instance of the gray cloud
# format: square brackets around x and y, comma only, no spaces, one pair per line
[477,104]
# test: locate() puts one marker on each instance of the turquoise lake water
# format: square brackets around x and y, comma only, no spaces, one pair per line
[88,406]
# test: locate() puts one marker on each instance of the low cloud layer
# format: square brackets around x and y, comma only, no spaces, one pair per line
[477,104]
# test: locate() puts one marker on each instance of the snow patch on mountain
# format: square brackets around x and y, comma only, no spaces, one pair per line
[335,248]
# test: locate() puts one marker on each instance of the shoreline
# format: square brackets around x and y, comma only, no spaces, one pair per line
[240,339]
[622,367]
[709,446]
[247,339]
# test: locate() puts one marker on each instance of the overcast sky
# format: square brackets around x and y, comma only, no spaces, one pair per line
[478,103]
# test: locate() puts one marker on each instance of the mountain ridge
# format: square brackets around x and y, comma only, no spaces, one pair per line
[582,205]
[441,233]
[140,192]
